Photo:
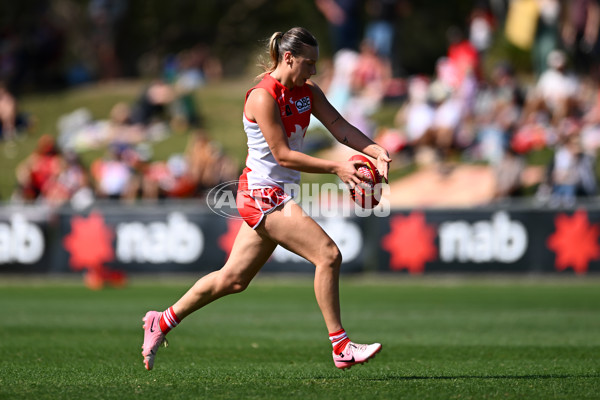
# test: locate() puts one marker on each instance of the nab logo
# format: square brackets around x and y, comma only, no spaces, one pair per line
[303,104]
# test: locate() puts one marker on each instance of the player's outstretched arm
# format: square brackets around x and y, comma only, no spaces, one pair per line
[346,133]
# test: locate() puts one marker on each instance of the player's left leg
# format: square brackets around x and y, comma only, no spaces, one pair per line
[293,229]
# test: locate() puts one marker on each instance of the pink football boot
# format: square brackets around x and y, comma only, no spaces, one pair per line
[355,354]
[153,338]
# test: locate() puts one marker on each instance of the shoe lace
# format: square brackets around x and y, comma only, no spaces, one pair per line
[164,343]
[358,347]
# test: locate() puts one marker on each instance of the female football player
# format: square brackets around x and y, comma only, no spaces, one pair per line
[276,116]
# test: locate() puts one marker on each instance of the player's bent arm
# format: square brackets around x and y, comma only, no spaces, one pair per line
[262,108]
[346,133]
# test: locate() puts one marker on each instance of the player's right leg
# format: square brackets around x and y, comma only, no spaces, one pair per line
[153,337]
[249,253]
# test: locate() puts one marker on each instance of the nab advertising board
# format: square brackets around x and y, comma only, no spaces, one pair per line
[177,239]
[189,238]
[490,241]
[24,240]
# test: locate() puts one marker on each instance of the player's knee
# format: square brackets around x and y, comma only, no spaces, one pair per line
[230,283]
[238,286]
[332,257]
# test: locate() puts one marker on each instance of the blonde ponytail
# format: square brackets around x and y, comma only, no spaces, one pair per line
[292,40]
[274,50]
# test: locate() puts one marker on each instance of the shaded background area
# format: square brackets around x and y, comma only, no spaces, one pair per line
[56,43]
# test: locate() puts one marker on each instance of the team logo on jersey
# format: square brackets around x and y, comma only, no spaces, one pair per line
[303,104]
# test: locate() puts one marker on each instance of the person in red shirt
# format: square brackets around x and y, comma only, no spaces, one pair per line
[38,169]
[276,116]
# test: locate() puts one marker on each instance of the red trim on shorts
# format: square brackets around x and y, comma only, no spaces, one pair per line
[254,204]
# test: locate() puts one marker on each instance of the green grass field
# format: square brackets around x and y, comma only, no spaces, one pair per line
[442,339]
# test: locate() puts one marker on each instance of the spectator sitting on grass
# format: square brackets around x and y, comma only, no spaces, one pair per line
[571,173]
[113,176]
[39,168]
[11,121]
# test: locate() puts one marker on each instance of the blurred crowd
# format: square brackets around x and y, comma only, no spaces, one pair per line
[55,174]
[126,172]
[473,108]
[478,110]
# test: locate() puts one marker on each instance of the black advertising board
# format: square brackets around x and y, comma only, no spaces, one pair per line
[25,239]
[490,240]
[188,237]
[177,239]
[150,238]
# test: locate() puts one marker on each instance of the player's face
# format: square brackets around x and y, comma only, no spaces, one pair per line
[305,65]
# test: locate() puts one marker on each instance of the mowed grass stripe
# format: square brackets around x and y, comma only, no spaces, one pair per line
[464,339]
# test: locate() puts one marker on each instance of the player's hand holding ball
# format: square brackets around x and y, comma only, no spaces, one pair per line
[367,193]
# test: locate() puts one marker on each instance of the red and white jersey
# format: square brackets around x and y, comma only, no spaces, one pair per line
[295,107]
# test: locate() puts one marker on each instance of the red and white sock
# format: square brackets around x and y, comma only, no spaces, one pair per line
[339,340]
[168,320]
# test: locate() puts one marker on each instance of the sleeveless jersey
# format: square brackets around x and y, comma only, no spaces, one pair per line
[295,107]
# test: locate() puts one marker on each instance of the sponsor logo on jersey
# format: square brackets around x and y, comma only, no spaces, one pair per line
[303,104]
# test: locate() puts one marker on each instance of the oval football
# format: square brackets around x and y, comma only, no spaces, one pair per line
[368,192]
